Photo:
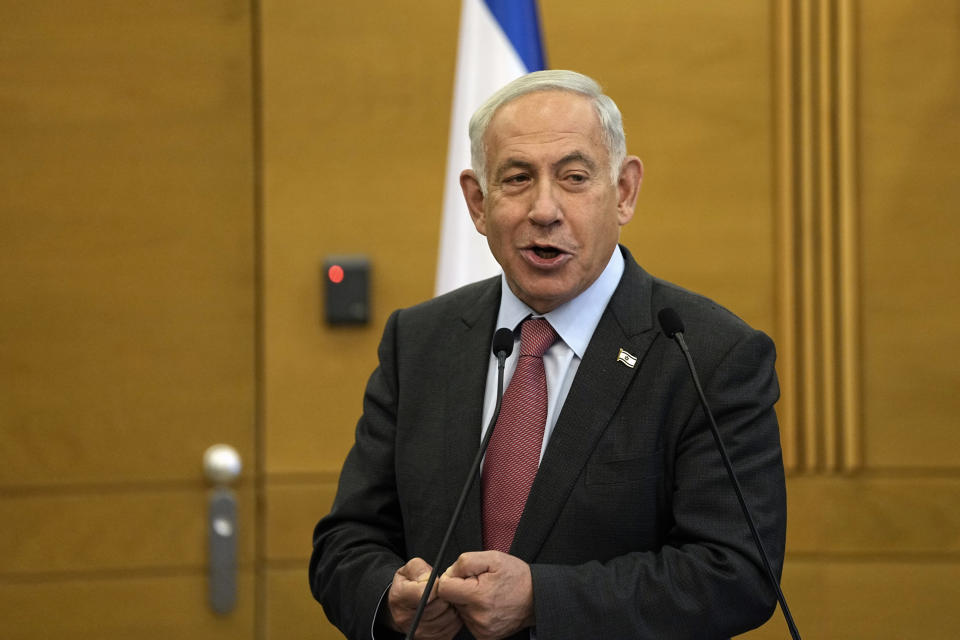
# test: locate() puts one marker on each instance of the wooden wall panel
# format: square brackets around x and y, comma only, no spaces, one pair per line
[149,607]
[356,111]
[877,599]
[292,510]
[910,135]
[291,613]
[126,251]
[693,82]
[871,553]
[900,517]
[113,530]
[126,312]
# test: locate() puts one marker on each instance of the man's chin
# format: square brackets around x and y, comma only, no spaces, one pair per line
[545,297]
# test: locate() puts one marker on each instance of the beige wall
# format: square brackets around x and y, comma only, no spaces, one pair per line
[800,168]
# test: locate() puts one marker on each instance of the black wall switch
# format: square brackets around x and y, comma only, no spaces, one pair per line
[347,285]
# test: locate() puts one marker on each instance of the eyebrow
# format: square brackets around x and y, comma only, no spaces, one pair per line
[510,163]
[574,156]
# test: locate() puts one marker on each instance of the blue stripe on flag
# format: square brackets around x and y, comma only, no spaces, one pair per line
[521,24]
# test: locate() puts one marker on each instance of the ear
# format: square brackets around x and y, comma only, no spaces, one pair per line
[628,187]
[474,198]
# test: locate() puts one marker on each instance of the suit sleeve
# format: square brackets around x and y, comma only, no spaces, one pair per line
[707,579]
[359,546]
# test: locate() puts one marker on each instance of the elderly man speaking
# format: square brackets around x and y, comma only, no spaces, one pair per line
[602,509]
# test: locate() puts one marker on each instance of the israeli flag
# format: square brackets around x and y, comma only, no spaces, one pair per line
[499,42]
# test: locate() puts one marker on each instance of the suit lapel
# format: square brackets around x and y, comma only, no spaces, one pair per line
[597,391]
[466,376]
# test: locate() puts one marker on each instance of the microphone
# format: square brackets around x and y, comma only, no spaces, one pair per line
[672,327]
[670,322]
[502,347]
[502,343]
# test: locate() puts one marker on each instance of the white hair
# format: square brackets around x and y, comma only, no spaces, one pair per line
[611,123]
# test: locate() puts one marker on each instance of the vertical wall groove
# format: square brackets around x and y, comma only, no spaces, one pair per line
[826,145]
[817,248]
[805,144]
[260,470]
[784,206]
[849,237]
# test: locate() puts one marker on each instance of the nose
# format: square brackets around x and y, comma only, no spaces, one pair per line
[545,208]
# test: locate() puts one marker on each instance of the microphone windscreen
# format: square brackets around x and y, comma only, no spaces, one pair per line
[503,341]
[670,322]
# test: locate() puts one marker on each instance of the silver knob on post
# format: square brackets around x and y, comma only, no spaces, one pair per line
[222,466]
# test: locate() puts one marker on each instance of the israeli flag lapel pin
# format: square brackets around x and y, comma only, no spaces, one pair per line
[627,358]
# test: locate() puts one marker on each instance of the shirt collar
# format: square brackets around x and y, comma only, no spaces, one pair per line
[574,321]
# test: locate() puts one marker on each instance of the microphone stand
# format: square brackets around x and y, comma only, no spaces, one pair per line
[677,335]
[474,468]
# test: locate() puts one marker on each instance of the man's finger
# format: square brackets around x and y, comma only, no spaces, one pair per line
[408,584]
[473,563]
[458,590]
[437,609]
[415,568]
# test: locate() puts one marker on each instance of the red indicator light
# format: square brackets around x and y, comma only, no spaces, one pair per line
[335,273]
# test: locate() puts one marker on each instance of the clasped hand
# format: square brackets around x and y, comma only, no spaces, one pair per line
[488,591]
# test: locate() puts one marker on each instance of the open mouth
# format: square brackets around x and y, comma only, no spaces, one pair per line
[546,253]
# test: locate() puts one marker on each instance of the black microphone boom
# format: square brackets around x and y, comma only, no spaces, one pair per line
[502,347]
[672,327]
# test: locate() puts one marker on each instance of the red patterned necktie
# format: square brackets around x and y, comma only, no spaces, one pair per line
[513,455]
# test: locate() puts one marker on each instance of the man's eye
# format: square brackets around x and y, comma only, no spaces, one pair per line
[577,178]
[517,179]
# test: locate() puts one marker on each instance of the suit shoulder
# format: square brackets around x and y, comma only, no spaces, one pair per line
[697,310]
[465,300]
[712,331]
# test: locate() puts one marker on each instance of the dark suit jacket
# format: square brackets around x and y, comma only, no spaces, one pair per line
[632,528]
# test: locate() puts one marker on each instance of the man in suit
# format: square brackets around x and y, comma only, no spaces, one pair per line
[630,528]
